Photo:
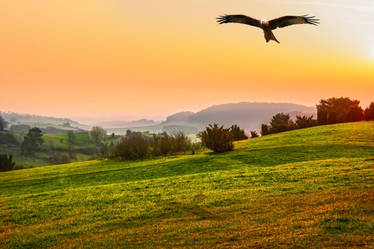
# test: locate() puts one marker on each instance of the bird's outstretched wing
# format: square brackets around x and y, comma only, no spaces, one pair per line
[239,19]
[291,20]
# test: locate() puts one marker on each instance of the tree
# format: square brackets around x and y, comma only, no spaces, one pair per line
[3,123]
[339,110]
[369,112]
[6,162]
[71,140]
[133,146]
[32,141]
[237,133]
[281,122]
[355,114]
[217,139]
[305,121]
[264,130]
[97,135]
[254,134]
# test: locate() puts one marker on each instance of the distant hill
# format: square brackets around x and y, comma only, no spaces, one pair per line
[248,115]
[20,122]
[126,124]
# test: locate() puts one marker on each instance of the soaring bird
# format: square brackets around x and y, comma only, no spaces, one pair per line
[268,26]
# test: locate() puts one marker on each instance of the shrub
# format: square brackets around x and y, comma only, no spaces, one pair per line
[217,139]
[281,122]
[6,162]
[133,146]
[164,144]
[237,133]
[254,134]
[305,122]
[265,130]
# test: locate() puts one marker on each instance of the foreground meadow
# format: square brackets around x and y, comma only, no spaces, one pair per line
[310,188]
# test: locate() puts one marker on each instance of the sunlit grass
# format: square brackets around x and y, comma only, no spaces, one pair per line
[311,188]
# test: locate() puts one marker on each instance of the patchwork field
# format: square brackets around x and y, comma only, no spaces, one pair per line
[310,188]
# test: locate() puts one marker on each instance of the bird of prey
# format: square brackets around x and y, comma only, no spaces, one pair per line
[268,26]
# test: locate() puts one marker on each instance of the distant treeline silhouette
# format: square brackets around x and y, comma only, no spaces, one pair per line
[329,111]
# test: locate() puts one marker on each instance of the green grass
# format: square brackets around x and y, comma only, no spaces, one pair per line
[83,149]
[310,188]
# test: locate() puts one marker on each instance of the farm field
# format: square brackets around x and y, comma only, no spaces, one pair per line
[308,188]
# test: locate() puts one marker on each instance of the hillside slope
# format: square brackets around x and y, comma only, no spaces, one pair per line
[310,188]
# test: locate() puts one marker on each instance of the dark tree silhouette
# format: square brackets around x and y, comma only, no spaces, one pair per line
[254,134]
[217,139]
[305,122]
[32,141]
[3,123]
[369,112]
[265,130]
[281,122]
[237,133]
[339,110]
[6,162]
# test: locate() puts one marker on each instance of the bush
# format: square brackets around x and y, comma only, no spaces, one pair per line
[254,134]
[133,146]
[237,133]
[6,162]
[164,144]
[305,122]
[265,130]
[281,122]
[217,139]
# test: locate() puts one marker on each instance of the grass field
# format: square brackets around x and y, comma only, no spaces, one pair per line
[83,149]
[310,188]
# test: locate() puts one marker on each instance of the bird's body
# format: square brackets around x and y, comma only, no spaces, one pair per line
[268,26]
[268,33]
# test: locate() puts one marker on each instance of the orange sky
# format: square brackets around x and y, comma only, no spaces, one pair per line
[133,59]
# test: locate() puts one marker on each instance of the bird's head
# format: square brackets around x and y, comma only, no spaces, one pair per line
[263,21]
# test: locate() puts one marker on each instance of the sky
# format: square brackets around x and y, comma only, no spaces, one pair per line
[122,59]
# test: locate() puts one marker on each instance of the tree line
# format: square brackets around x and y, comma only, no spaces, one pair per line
[138,146]
[329,111]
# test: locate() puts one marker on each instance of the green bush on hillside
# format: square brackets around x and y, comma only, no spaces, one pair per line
[237,133]
[305,122]
[133,146]
[165,144]
[136,146]
[217,139]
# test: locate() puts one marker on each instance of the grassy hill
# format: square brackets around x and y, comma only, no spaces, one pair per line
[310,188]
[83,149]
